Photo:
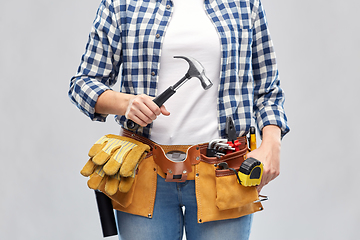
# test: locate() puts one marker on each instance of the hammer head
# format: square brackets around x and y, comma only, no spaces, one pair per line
[197,70]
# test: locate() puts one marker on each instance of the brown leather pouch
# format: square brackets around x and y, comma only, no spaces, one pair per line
[229,198]
[212,193]
[229,193]
[141,197]
[234,160]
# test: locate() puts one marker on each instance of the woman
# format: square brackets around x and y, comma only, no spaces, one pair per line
[135,41]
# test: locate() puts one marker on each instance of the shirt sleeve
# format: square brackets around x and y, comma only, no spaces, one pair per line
[100,63]
[268,95]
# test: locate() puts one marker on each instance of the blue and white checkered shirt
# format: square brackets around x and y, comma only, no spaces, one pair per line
[126,40]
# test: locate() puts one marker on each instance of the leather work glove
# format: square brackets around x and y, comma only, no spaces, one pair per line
[126,158]
[114,152]
[101,151]
[118,182]
[110,154]
[112,183]
[96,178]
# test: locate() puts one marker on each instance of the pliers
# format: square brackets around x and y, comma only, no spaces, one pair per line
[231,135]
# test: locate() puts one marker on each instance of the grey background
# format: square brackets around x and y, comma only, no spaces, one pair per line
[45,139]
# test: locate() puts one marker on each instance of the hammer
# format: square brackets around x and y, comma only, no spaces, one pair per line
[195,70]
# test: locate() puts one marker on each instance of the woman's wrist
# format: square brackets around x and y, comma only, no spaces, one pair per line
[111,102]
[271,135]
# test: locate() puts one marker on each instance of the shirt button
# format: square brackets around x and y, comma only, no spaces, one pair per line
[153,73]
[157,35]
[168,7]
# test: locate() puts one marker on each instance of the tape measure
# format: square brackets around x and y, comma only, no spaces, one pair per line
[250,172]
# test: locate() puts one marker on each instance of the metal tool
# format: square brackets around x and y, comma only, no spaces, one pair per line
[251,170]
[231,134]
[176,156]
[262,198]
[217,148]
[195,70]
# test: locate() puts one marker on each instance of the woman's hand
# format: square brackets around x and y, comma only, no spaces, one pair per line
[139,108]
[142,110]
[269,154]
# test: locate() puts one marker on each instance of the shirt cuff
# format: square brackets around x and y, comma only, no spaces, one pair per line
[272,115]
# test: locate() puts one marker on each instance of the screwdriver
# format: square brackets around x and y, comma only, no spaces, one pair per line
[252,139]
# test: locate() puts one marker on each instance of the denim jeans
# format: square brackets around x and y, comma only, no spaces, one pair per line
[169,219]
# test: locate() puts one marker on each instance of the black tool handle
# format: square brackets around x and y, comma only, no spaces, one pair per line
[230,129]
[106,214]
[164,96]
[159,100]
[252,130]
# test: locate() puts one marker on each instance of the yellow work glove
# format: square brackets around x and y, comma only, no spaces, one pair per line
[118,182]
[122,166]
[101,151]
[113,183]
[126,157]
[115,152]
[96,178]
[110,154]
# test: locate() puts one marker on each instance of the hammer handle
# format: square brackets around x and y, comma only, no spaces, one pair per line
[159,100]
[106,213]
[164,96]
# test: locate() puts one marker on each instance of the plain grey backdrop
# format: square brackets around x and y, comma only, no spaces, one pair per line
[45,139]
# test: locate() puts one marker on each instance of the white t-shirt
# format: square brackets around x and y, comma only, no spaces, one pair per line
[193,117]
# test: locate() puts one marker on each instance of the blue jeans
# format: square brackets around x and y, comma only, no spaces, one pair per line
[169,219]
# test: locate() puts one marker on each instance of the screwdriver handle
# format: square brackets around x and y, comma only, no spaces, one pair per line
[252,138]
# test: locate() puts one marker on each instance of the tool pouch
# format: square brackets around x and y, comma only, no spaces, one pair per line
[141,197]
[176,171]
[230,194]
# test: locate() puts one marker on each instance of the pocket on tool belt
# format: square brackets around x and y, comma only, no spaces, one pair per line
[229,193]
[234,160]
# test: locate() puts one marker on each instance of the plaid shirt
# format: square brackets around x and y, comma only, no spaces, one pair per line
[126,40]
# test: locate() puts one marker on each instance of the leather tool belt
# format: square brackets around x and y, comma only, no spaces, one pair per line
[219,196]
[177,161]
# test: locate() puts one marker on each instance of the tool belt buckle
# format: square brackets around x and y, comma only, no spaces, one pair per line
[175,162]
